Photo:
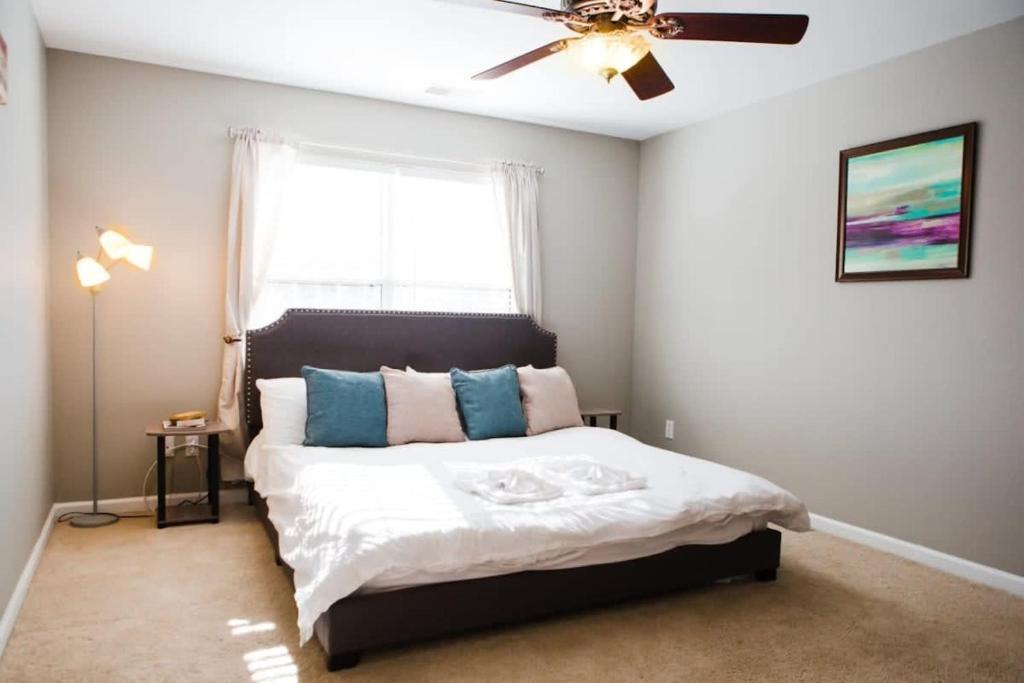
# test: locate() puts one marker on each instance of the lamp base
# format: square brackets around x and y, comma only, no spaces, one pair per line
[89,520]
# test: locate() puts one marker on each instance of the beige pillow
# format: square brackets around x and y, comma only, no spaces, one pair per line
[421,407]
[549,399]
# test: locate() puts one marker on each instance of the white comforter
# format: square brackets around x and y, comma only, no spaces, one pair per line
[350,517]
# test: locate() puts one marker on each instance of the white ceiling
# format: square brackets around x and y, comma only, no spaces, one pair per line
[397,49]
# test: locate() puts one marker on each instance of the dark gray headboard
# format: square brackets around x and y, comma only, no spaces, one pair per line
[365,340]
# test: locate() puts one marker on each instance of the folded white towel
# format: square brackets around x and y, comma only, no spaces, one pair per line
[539,479]
[589,477]
[506,486]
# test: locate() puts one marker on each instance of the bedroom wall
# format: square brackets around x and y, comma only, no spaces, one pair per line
[26,486]
[895,406]
[148,147]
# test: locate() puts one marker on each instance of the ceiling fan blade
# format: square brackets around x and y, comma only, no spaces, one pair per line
[524,60]
[509,6]
[783,29]
[647,78]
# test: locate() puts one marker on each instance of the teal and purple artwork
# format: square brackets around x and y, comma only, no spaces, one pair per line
[905,207]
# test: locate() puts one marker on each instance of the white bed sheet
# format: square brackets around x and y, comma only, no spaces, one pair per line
[356,519]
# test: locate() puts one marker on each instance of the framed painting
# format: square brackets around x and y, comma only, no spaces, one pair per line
[3,70]
[905,207]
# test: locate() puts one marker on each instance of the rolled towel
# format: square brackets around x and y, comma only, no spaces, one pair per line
[505,486]
[589,477]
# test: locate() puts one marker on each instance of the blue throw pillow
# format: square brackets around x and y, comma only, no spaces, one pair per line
[345,408]
[489,402]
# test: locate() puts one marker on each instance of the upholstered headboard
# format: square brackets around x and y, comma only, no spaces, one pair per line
[365,340]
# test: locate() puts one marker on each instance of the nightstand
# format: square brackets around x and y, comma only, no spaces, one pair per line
[612,414]
[204,513]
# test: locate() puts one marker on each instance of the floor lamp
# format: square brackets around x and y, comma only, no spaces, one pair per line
[91,275]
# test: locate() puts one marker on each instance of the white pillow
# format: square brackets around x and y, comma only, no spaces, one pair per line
[549,399]
[421,407]
[283,403]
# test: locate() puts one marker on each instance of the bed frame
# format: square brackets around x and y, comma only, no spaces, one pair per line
[365,340]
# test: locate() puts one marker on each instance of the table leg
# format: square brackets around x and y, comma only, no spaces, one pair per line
[161,482]
[213,473]
[593,420]
[613,422]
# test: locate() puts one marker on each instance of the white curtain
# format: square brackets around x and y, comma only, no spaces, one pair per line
[517,191]
[260,168]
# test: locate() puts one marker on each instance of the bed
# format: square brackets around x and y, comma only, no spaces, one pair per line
[382,550]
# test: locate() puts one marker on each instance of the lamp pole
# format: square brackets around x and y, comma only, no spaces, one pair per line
[94,518]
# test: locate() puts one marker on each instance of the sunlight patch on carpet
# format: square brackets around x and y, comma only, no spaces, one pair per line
[270,664]
[241,627]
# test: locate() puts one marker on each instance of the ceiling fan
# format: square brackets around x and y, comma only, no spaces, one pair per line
[611,40]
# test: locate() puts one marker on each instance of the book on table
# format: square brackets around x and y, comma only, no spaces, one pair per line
[193,419]
[185,425]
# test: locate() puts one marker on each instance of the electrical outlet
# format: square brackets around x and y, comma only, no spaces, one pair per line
[192,446]
[670,429]
[169,446]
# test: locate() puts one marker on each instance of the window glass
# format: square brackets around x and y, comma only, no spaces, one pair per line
[363,235]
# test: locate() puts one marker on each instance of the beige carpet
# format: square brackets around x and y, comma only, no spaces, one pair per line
[207,603]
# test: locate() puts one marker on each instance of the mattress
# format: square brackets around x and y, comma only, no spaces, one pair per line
[353,520]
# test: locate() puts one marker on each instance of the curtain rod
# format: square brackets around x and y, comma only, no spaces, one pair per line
[234,132]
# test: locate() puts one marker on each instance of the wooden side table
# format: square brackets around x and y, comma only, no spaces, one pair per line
[204,513]
[590,416]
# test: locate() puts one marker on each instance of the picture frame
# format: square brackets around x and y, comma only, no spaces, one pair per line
[3,71]
[905,207]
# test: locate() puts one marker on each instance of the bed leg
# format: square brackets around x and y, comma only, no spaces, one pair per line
[346,660]
[766,575]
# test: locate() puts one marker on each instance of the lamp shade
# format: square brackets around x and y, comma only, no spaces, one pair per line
[90,272]
[117,247]
[114,243]
[139,255]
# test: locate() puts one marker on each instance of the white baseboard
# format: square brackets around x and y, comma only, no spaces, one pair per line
[951,564]
[137,504]
[10,614]
[118,505]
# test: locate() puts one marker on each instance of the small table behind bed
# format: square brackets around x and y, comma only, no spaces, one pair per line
[431,342]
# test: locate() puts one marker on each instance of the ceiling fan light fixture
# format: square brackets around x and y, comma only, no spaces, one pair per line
[609,53]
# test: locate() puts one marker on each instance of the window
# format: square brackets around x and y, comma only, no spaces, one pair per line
[366,234]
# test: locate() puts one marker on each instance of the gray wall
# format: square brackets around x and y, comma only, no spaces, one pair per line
[896,406]
[26,489]
[147,147]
